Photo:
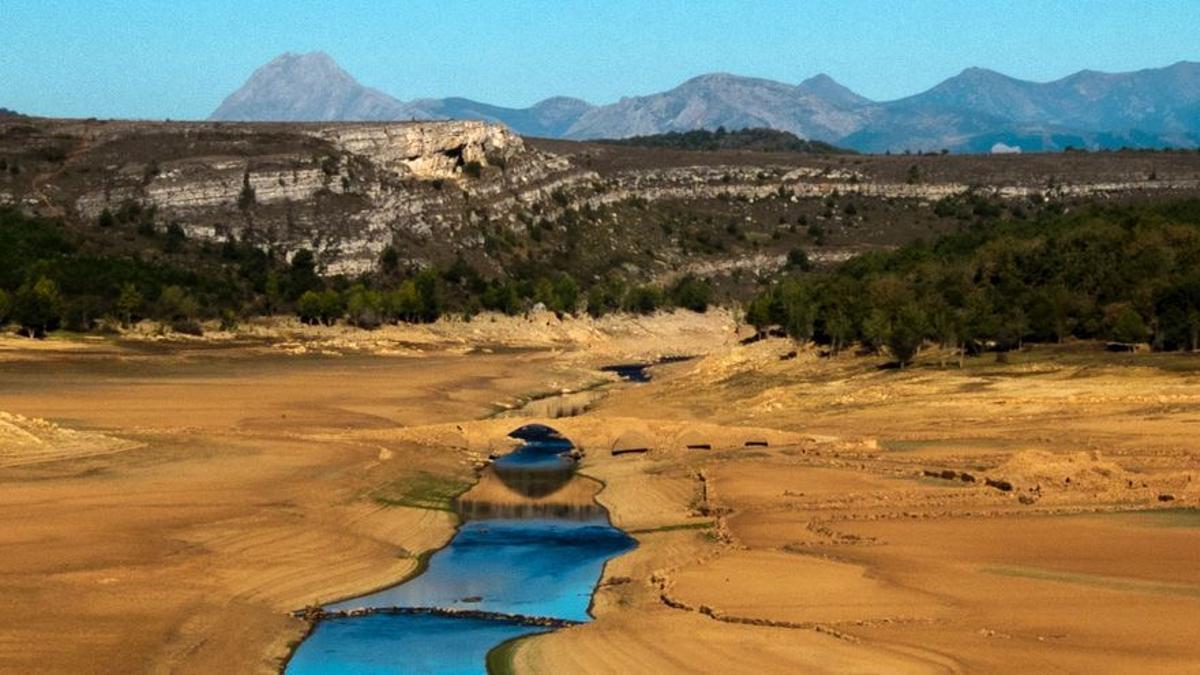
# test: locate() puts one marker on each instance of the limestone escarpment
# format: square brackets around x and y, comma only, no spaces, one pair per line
[435,191]
[346,191]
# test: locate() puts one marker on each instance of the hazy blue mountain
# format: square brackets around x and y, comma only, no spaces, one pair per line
[549,118]
[819,110]
[307,87]
[1149,107]
[969,112]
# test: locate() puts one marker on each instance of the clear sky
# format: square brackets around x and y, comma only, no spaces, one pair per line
[161,58]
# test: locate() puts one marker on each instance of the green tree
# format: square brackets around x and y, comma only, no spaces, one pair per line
[818,234]
[246,198]
[5,307]
[606,297]
[403,303]
[429,290]
[907,332]
[176,303]
[129,303]
[331,307]
[643,300]
[273,292]
[691,292]
[876,329]
[364,307]
[839,328]
[1129,326]
[302,275]
[797,259]
[106,219]
[543,293]
[566,294]
[794,307]
[37,307]
[308,307]
[389,261]
[758,313]
[175,238]
[229,320]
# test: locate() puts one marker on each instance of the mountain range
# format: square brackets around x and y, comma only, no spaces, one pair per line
[973,111]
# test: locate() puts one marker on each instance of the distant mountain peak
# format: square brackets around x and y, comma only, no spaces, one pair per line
[830,89]
[306,87]
[562,102]
[971,111]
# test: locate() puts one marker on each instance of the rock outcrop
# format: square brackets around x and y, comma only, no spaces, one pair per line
[438,190]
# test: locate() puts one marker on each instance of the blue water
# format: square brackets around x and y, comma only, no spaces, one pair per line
[539,567]
[385,644]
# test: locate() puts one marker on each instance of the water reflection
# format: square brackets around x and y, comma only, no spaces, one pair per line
[533,543]
[537,480]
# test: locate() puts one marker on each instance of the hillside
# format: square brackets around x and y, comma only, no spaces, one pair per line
[763,140]
[459,216]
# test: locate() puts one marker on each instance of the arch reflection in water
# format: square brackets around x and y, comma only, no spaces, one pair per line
[537,480]
[533,543]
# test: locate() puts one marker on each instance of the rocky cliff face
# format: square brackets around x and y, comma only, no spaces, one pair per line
[437,190]
[346,191]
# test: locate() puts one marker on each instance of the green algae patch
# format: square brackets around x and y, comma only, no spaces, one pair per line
[422,491]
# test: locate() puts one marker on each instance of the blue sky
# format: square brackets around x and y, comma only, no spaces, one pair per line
[156,59]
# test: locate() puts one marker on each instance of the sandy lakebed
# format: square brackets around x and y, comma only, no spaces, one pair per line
[166,505]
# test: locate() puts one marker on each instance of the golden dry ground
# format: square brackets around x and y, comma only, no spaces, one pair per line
[165,505]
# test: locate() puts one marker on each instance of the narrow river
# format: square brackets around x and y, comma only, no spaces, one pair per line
[512,568]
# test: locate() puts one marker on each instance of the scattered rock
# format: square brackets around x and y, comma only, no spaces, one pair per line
[1002,485]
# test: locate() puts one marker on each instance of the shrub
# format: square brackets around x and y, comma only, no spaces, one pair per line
[797,259]
[403,303]
[187,327]
[364,307]
[605,298]
[429,290]
[129,304]
[1129,326]
[691,293]
[247,197]
[502,297]
[308,307]
[177,304]
[643,300]
[175,239]
[331,306]
[817,234]
[559,295]
[302,275]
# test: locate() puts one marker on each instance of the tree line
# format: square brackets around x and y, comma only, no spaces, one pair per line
[759,139]
[1126,274]
[54,277]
